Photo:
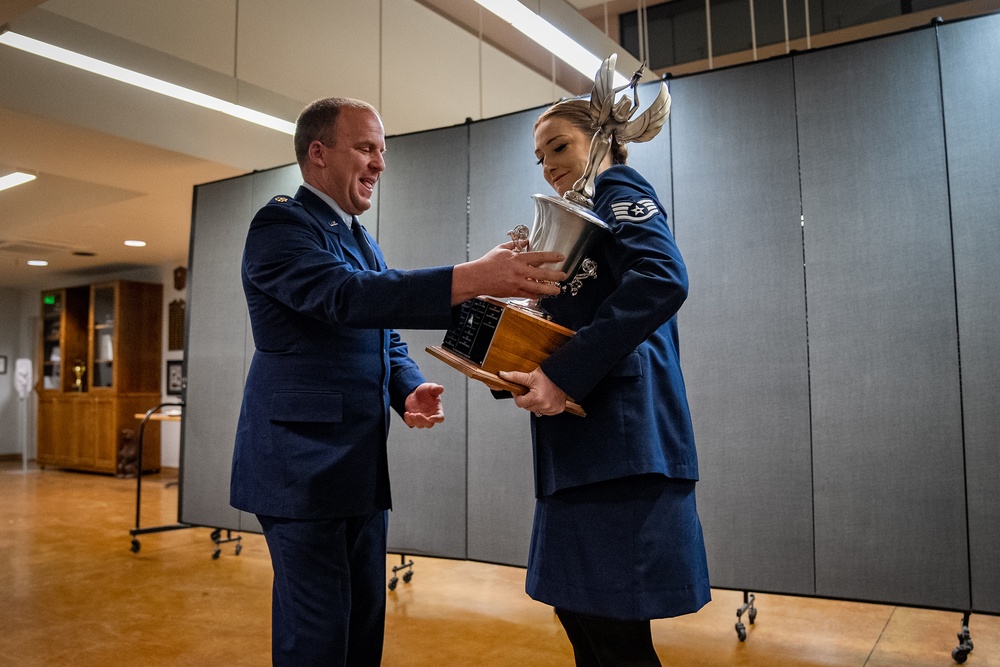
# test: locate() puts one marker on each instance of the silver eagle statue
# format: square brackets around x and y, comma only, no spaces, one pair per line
[614,119]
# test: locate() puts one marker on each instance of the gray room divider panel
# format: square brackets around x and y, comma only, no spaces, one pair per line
[215,351]
[652,158]
[743,327]
[970,60]
[503,175]
[853,139]
[422,222]
[217,321]
[889,502]
[266,184]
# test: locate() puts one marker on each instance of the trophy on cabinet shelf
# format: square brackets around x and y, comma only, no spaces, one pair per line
[492,335]
[79,369]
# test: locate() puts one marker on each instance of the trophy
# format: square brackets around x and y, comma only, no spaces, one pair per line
[492,335]
[79,369]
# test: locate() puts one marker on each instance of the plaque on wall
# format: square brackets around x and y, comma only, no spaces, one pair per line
[175,325]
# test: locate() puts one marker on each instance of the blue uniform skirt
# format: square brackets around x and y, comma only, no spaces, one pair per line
[627,549]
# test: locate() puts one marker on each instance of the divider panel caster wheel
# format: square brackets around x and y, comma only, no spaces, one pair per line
[239,548]
[135,546]
[407,576]
[961,652]
[392,583]
[741,632]
[752,614]
[215,554]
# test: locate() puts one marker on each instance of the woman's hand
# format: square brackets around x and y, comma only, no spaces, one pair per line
[544,398]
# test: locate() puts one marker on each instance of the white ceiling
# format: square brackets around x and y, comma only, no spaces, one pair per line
[115,163]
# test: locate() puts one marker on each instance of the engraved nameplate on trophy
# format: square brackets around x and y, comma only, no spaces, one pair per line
[491,335]
[498,336]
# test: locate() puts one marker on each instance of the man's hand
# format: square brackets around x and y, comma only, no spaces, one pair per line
[544,398]
[504,273]
[423,406]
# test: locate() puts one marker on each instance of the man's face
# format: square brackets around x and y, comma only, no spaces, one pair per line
[349,168]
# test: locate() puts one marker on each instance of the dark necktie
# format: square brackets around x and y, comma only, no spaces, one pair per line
[363,245]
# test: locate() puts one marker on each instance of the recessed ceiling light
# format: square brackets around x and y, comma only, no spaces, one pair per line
[135,244]
[37,262]
[17,178]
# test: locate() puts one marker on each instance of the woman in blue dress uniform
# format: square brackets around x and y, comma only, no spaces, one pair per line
[616,539]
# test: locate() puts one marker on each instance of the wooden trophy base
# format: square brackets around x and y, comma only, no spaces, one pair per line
[492,335]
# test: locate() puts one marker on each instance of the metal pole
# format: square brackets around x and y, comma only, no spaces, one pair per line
[808,35]
[784,8]
[647,57]
[708,26]
[24,434]
[480,61]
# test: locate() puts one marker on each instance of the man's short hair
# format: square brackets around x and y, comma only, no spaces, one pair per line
[316,122]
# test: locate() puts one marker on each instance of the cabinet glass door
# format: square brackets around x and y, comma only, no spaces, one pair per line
[51,349]
[103,337]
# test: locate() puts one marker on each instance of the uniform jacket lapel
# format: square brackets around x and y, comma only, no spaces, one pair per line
[340,231]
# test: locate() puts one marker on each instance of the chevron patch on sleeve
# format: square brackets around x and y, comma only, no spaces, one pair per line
[634,211]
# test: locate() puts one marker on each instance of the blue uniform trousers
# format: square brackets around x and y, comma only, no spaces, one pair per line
[328,598]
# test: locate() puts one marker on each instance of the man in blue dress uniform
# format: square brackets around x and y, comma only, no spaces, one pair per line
[310,459]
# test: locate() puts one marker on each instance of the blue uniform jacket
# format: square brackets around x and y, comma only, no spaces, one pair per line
[311,439]
[623,363]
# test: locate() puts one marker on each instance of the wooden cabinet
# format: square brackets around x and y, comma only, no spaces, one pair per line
[100,366]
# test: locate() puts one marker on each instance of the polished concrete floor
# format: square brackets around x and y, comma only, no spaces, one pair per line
[73,593]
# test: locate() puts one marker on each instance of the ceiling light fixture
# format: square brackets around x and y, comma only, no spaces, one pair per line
[17,178]
[135,244]
[117,73]
[549,37]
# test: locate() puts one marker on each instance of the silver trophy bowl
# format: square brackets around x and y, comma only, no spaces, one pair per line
[567,224]
[567,228]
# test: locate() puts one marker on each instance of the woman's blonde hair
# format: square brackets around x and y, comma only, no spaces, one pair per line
[577,112]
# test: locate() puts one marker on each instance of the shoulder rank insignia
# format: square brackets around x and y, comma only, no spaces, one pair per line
[637,211]
[281,200]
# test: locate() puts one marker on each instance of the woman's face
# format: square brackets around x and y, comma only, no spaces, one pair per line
[563,150]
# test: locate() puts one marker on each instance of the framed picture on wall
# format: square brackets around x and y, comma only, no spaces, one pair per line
[175,377]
